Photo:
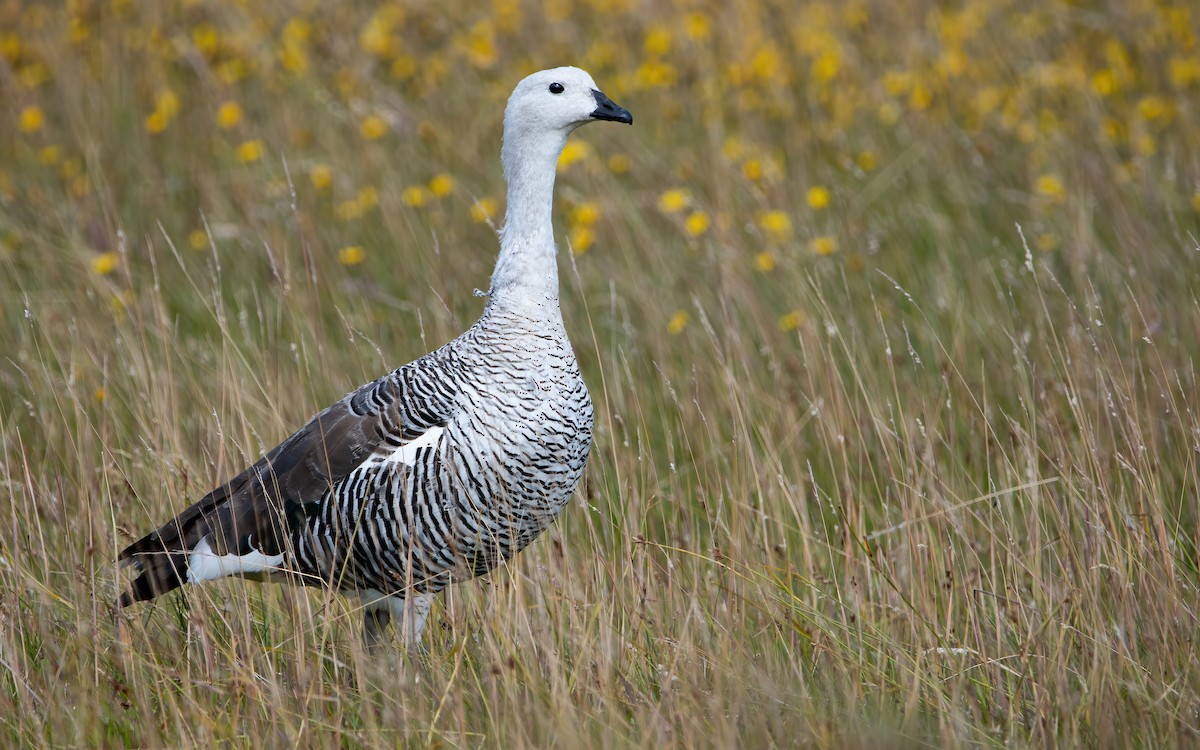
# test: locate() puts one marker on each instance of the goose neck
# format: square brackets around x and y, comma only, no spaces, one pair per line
[526,272]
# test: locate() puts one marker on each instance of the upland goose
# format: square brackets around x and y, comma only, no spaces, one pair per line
[441,469]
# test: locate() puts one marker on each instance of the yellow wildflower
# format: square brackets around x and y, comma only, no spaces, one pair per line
[71,168]
[206,39]
[776,224]
[824,245]
[77,30]
[697,25]
[673,201]
[585,214]
[1146,145]
[1049,186]
[952,63]
[250,151]
[156,122]
[897,82]
[198,239]
[1152,108]
[581,239]
[32,118]
[1104,82]
[752,169]
[697,223]
[1113,129]
[321,176]
[415,196]
[574,151]
[376,35]
[767,63]
[121,301]
[1196,201]
[105,263]
[1184,71]
[351,256]
[508,15]
[484,209]
[653,74]
[658,42]
[920,98]
[50,155]
[167,103]
[99,394]
[1046,241]
[677,323]
[373,128]
[441,185]
[986,100]
[232,70]
[818,197]
[866,160]
[825,68]
[10,46]
[229,114]
[368,198]
[618,163]
[293,52]
[790,321]
[481,44]
[764,262]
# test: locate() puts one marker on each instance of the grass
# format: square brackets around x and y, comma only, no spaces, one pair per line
[912,465]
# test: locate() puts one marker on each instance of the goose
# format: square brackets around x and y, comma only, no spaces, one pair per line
[440,470]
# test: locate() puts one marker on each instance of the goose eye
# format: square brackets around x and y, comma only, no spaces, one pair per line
[556,88]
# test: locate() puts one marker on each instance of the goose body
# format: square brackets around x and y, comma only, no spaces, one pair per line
[441,469]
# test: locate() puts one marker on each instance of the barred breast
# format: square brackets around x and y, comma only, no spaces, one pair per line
[480,486]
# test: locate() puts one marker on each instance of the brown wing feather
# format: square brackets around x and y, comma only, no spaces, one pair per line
[260,506]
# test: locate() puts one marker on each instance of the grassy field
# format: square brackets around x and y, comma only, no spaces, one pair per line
[889,311]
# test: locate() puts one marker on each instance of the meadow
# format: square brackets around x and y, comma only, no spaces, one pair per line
[889,311]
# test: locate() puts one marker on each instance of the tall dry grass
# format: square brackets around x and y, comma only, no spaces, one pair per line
[913,464]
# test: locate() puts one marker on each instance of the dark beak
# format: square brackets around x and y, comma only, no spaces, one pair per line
[607,109]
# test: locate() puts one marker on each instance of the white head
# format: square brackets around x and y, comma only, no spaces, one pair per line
[559,99]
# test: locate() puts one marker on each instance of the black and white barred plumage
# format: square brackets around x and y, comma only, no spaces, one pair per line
[473,463]
[441,469]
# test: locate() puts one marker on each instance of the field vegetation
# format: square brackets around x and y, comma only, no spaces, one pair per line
[889,311]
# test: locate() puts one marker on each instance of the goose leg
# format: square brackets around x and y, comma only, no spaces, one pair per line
[375,623]
[380,609]
[412,613]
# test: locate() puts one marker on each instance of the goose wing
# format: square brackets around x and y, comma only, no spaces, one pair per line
[250,516]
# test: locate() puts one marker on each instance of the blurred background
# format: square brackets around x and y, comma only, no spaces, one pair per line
[889,311]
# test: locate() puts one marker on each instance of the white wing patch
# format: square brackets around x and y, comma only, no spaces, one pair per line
[407,453]
[206,565]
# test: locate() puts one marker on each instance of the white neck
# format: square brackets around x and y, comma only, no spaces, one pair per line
[526,275]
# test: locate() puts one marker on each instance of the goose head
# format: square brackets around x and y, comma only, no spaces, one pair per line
[557,101]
